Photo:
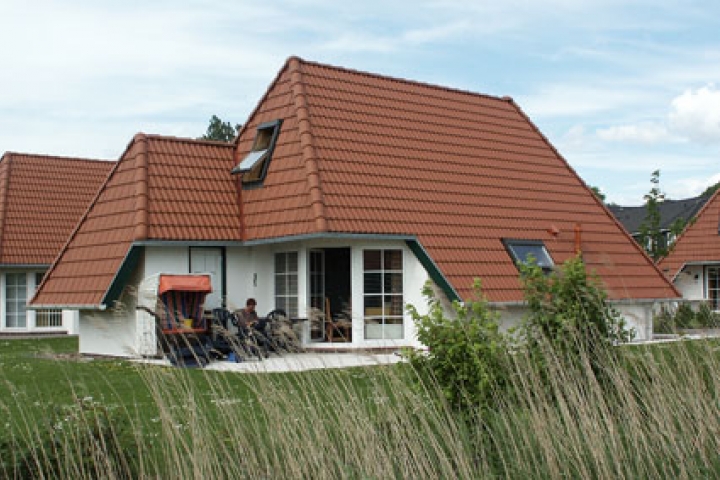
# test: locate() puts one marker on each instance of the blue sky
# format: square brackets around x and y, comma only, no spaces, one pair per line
[621,88]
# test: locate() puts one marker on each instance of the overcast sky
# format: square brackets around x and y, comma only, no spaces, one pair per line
[620,87]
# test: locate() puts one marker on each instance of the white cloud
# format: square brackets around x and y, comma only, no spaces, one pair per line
[646,132]
[677,188]
[696,114]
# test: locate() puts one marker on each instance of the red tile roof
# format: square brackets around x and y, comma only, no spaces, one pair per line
[699,243]
[162,188]
[360,153]
[363,153]
[41,200]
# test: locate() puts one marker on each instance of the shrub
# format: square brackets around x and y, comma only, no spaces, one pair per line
[569,312]
[465,354]
[683,317]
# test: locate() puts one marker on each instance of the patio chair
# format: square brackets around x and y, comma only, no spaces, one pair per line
[280,332]
[248,340]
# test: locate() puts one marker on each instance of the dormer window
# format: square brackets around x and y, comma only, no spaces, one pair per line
[254,166]
[522,251]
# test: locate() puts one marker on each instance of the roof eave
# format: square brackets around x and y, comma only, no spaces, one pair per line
[67,307]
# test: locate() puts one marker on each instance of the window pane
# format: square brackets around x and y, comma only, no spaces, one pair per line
[371,260]
[393,283]
[393,331]
[280,262]
[523,251]
[393,305]
[292,284]
[373,305]
[393,259]
[373,330]
[280,285]
[372,283]
[292,262]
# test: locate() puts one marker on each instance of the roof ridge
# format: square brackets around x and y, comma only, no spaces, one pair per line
[309,155]
[172,138]
[58,157]
[141,188]
[3,201]
[435,86]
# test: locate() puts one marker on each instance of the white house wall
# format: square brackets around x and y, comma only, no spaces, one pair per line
[691,282]
[68,325]
[108,332]
[250,273]
[167,259]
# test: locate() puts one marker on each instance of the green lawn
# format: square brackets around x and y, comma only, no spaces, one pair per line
[63,415]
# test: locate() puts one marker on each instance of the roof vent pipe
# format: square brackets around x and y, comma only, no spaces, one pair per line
[578,239]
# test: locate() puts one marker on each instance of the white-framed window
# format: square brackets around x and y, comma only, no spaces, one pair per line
[713,286]
[383,301]
[15,300]
[286,282]
[46,318]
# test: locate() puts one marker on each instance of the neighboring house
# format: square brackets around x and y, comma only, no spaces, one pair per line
[349,190]
[671,212]
[693,264]
[42,198]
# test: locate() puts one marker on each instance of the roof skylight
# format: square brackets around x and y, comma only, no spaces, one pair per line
[525,251]
[254,166]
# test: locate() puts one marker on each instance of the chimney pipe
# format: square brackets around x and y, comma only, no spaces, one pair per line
[578,239]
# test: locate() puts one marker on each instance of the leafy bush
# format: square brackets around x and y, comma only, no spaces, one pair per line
[684,317]
[465,354]
[569,312]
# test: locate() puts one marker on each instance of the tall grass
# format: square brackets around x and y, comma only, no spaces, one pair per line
[652,413]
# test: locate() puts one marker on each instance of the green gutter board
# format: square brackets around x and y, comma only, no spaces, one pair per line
[433,270]
[123,275]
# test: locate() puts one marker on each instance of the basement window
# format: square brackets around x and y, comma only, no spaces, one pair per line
[525,251]
[254,166]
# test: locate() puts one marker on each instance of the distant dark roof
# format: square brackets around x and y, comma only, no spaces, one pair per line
[670,211]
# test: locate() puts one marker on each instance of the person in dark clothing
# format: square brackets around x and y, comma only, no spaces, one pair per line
[247,316]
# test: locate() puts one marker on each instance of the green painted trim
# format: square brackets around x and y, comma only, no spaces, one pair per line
[328,236]
[20,266]
[132,258]
[433,270]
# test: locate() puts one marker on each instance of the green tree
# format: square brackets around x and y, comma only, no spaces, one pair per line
[598,193]
[220,131]
[710,190]
[651,236]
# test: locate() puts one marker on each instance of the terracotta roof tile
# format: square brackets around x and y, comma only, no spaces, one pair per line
[362,153]
[41,201]
[190,196]
[457,169]
[700,242]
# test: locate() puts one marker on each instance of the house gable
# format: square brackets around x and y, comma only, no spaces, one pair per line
[162,188]
[699,243]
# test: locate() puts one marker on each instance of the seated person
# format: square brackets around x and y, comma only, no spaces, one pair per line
[247,316]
